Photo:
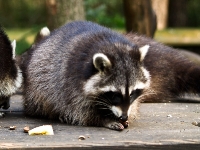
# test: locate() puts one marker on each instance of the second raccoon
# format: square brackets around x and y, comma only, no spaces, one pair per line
[10,74]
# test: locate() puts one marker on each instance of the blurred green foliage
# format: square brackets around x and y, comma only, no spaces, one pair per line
[104,12]
[22,13]
[193,12]
[26,13]
[22,19]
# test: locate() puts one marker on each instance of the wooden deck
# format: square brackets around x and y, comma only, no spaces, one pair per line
[160,125]
[179,36]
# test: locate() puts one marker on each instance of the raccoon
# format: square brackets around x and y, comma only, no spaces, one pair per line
[172,73]
[85,74]
[10,74]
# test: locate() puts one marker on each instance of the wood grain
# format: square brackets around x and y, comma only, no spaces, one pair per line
[160,125]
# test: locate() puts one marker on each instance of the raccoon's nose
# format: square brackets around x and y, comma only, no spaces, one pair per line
[123,118]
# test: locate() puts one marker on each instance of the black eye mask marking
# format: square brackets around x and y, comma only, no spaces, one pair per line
[114,97]
[105,101]
[134,94]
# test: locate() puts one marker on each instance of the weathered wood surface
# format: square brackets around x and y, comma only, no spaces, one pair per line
[160,125]
[179,37]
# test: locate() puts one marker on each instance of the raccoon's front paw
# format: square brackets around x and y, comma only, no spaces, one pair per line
[124,123]
[114,126]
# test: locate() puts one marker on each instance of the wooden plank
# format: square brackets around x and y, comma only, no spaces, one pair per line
[160,125]
[179,37]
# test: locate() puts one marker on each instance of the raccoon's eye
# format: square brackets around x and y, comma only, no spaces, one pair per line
[135,93]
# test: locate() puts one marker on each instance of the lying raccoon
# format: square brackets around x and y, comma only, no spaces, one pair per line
[85,74]
[10,74]
[172,74]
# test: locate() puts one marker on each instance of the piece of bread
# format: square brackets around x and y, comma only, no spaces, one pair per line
[42,130]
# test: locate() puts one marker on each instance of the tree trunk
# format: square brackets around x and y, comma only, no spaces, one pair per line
[161,9]
[177,13]
[64,11]
[140,17]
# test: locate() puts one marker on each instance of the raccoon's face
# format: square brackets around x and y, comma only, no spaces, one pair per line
[120,80]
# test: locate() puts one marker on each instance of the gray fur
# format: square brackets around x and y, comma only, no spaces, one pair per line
[65,75]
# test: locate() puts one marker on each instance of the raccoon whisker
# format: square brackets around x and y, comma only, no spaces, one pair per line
[103,104]
[147,94]
[143,96]
[100,103]
[106,100]
[98,99]
[104,108]
[108,114]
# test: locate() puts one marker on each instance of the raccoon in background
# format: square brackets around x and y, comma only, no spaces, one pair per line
[10,74]
[84,74]
[172,74]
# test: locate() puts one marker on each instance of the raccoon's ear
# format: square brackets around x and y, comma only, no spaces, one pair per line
[143,51]
[45,32]
[13,44]
[101,62]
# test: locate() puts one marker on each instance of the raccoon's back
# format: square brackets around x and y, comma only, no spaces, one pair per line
[66,46]
[70,45]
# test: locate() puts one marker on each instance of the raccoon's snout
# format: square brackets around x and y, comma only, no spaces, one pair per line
[123,118]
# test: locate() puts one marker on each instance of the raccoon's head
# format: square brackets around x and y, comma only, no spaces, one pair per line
[120,79]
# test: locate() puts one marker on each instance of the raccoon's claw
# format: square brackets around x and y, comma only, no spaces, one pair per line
[115,126]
